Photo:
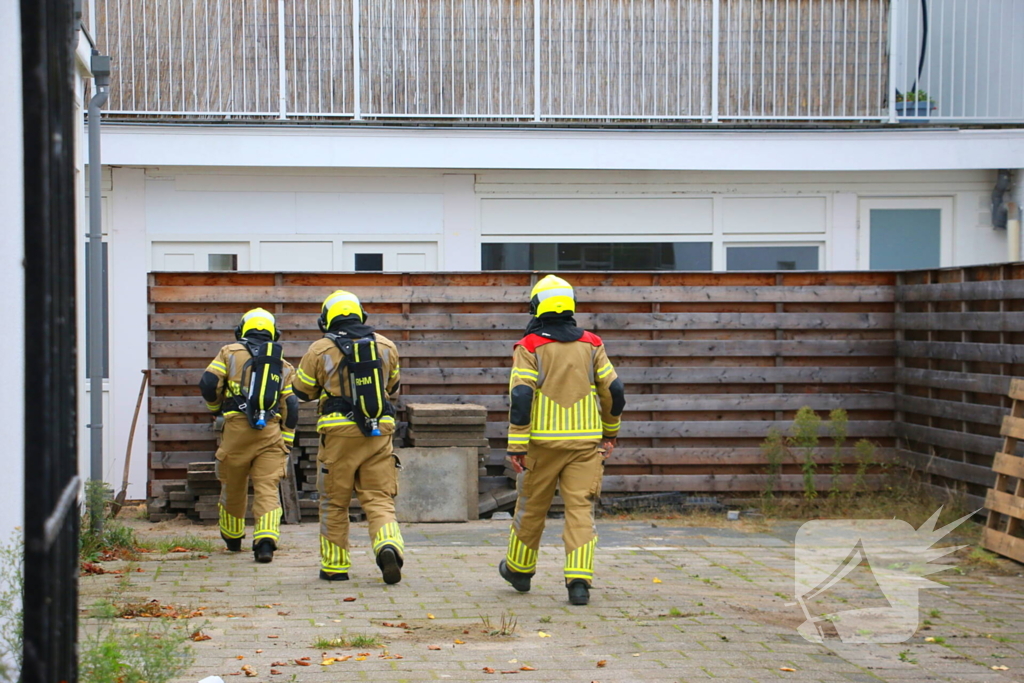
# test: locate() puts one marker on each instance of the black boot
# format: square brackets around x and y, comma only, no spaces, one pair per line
[519,580]
[233,544]
[579,592]
[390,565]
[264,551]
[333,576]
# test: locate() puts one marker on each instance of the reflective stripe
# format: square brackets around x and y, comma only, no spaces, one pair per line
[525,371]
[396,370]
[559,291]
[336,419]
[213,407]
[269,526]
[566,436]
[287,390]
[604,370]
[612,426]
[579,564]
[231,526]
[388,535]
[216,367]
[333,558]
[338,297]
[519,557]
[304,378]
[518,438]
[288,437]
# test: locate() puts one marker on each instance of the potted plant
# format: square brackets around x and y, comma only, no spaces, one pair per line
[914,105]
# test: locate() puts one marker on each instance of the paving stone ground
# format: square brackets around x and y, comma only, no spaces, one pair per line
[671,602]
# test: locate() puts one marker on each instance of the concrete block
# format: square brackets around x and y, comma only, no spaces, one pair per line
[437,485]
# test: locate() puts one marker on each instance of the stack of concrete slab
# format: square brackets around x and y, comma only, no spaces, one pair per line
[448,425]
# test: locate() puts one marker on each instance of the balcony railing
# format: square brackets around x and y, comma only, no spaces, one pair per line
[702,61]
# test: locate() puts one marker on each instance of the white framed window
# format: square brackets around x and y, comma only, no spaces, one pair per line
[774,255]
[900,233]
[200,256]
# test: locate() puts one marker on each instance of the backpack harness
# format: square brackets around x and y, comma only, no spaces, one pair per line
[259,402]
[368,402]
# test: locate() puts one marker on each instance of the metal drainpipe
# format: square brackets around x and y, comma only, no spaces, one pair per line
[1014,224]
[96,320]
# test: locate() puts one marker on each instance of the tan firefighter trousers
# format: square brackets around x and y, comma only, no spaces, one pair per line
[258,454]
[366,466]
[576,471]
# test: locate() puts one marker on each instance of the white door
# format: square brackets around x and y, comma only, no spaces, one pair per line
[906,233]
[200,256]
[395,257]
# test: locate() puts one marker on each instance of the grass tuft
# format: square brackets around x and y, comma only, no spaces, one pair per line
[363,640]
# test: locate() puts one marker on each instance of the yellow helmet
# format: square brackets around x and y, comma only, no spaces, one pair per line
[257,319]
[552,295]
[340,303]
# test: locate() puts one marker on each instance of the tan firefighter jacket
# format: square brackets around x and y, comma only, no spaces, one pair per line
[318,378]
[228,366]
[574,402]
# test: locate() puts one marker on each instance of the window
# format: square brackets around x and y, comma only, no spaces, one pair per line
[369,262]
[223,262]
[597,256]
[772,257]
[905,238]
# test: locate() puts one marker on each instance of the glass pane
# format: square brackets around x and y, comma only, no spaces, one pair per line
[370,262]
[783,257]
[598,256]
[105,296]
[222,261]
[905,239]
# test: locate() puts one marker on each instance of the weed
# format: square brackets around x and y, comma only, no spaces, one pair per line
[486,621]
[545,620]
[979,558]
[12,583]
[114,541]
[805,438]
[774,449]
[155,653]
[838,424]
[865,454]
[939,640]
[359,640]
[103,609]
[935,614]
[188,542]
[674,612]
[508,625]
[905,657]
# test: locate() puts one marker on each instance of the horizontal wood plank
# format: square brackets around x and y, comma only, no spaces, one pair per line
[1003,544]
[1013,427]
[695,375]
[985,353]
[1005,503]
[1016,390]
[717,430]
[993,290]
[944,467]
[957,381]
[596,322]
[727,483]
[498,294]
[950,410]
[945,495]
[947,438]
[662,348]
[1002,321]
[1010,465]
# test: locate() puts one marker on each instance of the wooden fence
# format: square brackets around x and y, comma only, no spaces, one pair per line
[960,341]
[711,361]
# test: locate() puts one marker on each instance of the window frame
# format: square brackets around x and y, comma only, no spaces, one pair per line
[945,205]
[820,244]
[592,239]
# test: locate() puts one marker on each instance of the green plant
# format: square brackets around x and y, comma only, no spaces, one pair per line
[96,498]
[155,653]
[508,625]
[545,620]
[865,454]
[674,612]
[12,583]
[806,427]
[357,640]
[774,450]
[935,614]
[914,96]
[113,538]
[905,657]
[838,429]
[188,542]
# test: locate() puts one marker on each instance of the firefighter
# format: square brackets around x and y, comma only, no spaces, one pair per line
[354,372]
[566,407]
[249,383]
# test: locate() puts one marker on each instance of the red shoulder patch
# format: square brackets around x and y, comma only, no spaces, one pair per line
[591,338]
[531,341]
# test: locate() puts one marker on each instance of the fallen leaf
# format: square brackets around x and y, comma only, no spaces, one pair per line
[239,657]
[273,636]
[430,616]
[459,642]
[348,600]
[786,668]
[279,664]
[466,631]
[336,621]
[363,654]
[360,659]
[259,651]
[275,672]
[636,654]
[602,663]
[929,640]
[655,580]
[283,614]
[343,658]
[1000,668]
[542,634]
[513,671]
[513,661]
[302,663]
[526,668]
[199,636]
[249,671]
[178,549]
[328,661]
[433,647]
[488,670]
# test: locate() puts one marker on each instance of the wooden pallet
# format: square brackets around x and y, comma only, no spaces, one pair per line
[1009,469]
